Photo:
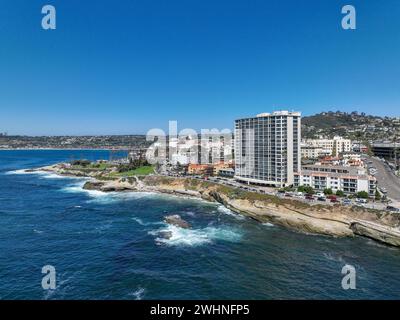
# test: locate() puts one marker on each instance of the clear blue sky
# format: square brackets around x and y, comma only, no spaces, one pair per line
[122,67]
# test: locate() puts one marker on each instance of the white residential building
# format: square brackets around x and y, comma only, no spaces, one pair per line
[312,152]
[267,148]
[323,147]
[341,145]
[348,179]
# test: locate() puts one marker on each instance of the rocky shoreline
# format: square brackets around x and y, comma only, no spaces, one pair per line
[337,220]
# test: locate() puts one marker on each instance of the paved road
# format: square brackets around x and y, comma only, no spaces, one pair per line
[387,179]
[273,191]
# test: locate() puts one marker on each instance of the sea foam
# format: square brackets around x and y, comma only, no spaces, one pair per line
[102,197]
[143,223]
[195,237]
[267,224]
[20,171]
[225,210]
[41,173]
[138,294]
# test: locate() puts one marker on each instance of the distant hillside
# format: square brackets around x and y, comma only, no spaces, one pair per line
[359,126]
[74,142]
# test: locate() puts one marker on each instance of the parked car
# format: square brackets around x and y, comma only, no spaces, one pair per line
[393,209]
[321,198]
[309,197]
[346,201]
[360,200]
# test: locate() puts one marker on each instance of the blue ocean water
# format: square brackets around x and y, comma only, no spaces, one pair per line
[106,246]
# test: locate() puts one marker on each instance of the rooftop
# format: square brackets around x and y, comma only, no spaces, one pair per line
[334,168]
[279,113]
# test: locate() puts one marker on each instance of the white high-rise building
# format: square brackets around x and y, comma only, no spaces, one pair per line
[267,148]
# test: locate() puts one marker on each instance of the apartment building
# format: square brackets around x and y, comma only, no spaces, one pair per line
[313,152]
[325,147]
[267,148]
[348,179]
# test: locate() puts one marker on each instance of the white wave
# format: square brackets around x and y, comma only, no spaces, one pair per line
[78,188]
[27,171]
[111,197]
[41,173]
[331,257]
[190,213]
[142,223]
[75,187]
[102,197]
[225,210]
[195,237]
[96,196]
[49,175]
[37,231]
[138,294]
[267,224]
[20,171]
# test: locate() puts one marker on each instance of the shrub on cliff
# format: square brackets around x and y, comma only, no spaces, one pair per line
[82,162]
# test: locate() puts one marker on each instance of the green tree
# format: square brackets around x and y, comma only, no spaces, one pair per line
[328,191]
[306,189]
[362,194]
[377,195]
[340,193]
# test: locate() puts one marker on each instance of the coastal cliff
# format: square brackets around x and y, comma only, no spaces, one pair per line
[334,220]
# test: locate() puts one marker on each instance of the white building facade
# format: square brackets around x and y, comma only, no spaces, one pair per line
[267,148]
[311,152]
[323,147]
[350,180]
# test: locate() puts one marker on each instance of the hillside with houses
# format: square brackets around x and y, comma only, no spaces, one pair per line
[354,126]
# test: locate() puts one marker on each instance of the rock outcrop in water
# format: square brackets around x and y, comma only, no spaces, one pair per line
[165,234]
[376,232]
[334,220]
[177,221]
